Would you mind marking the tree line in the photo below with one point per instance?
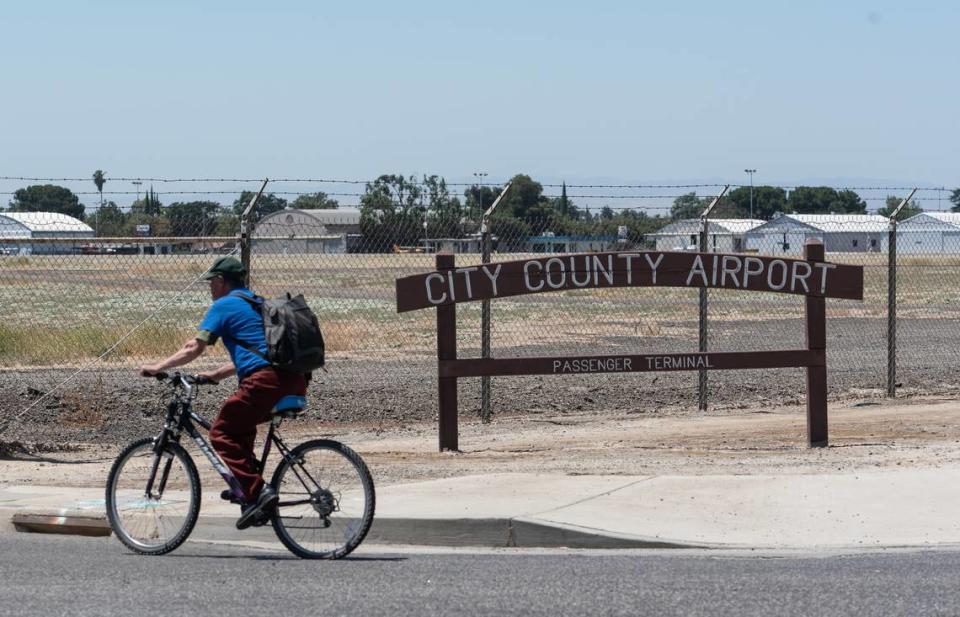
(402, 210)
(771, 201)
(178, 219)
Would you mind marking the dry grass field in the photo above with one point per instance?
(66, 309)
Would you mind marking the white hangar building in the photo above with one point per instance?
(44, 226)
(929, 233)
(306, 231)
(723, 235)
(840, 233)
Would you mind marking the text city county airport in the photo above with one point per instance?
(638, 269)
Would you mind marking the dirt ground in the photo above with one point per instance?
(864, 436)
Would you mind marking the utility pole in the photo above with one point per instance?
(751, 172)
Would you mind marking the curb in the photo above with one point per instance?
(503, 533)
(466, 532)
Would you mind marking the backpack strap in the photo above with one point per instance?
(257, 303)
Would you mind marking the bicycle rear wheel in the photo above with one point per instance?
(326, 502)
(153, 499)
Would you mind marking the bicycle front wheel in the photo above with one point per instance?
(326, 500)
(153, 498)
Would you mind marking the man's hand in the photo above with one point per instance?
(149, 370)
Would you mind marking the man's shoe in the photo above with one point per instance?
(259, 508)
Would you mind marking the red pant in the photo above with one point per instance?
(234, 431)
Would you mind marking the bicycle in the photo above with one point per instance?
(327, 497)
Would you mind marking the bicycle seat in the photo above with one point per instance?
(290, 406)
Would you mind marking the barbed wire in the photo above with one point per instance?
(491, 184)
(340, 194)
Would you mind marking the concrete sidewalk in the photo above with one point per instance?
(909, 508)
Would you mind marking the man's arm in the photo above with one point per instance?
(190, 351)
(220, 373)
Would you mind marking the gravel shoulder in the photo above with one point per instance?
(865, 437)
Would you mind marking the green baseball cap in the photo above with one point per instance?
(229, 267)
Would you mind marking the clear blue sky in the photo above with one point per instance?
(618, 91)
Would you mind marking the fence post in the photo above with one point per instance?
(485, 306)
(485, 326)
(892, 299)
(447, 350)
(246, 229)
(702, 374)
(892, 310)
(816, 317)
(703, 248)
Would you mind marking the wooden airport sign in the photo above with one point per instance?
(629, 269)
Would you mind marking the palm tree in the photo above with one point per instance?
(99, 180)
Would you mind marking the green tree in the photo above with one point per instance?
(851, 203)
(910, 209)
(768, 201)
(527, 202)
(444, 212)
(147, 211)
(267, 204)
(392, 213)
(193, 218)
(111, 220)
(688, 206)
(149, 206)
(228, 223)
(824, 200)
(510, 233)
(315, 201)
(564, 203)
(394, 192)
(47, 198)
(477, 199)
(955, 200)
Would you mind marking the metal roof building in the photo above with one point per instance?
(306, 231)
(845, 233)
(723, 235)
(42, 226)
(929, 233)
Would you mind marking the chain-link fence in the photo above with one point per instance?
(82, 306)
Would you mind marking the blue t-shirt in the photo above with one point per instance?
(236, 321)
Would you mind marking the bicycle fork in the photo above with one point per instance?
(168, 457)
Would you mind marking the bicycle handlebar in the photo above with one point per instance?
(190, 379)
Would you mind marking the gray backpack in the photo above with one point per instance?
(294, 340)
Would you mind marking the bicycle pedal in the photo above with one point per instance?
(261, 520)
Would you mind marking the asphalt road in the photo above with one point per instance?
(64, 575)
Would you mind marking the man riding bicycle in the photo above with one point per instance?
(260, 385)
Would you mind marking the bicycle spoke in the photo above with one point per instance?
(327, 500)
(152, 505)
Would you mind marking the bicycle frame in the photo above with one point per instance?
(181, 418)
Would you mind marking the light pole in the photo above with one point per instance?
(751, 172)
(480, 175)
(137, 184)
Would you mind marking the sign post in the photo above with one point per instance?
(816, 318)
(812, 277)
(447, 352)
